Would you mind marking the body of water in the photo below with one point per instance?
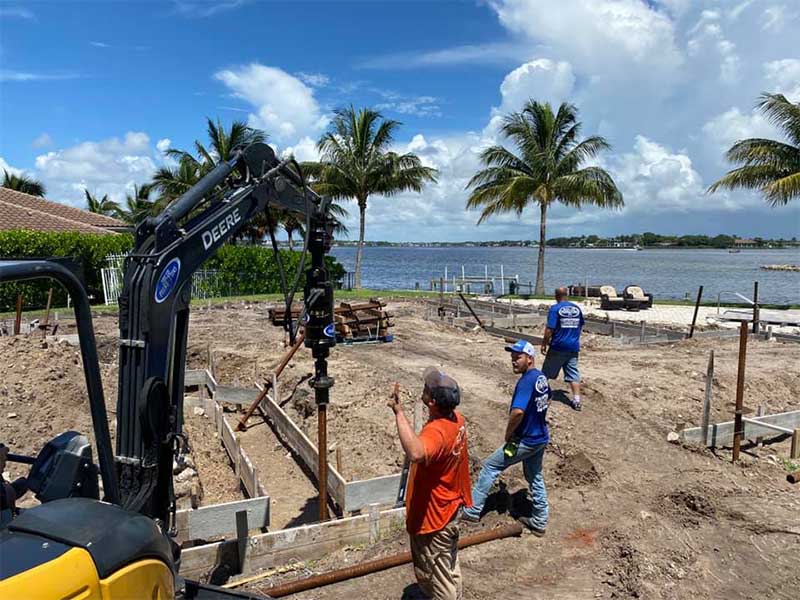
(666, 273)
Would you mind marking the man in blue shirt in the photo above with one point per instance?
(526, 438)
(563, 336)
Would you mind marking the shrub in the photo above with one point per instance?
(238, 269)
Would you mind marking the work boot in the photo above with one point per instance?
(576, 405)
(529, 524)
(468, 518)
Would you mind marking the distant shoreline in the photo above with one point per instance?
(460, 245)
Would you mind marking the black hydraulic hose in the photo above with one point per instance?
(36, 269)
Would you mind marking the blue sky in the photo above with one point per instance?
(92, 93)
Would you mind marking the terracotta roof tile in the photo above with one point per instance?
(57, 209)
(14, 216)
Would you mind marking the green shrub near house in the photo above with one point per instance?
(238, 269)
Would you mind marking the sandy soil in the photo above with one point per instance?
(632, 516)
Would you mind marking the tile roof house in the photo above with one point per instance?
(23, 211)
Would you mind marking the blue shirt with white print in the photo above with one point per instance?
(532, 395)
(566, 321)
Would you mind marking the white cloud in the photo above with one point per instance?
(205, 8)
(16, 12)
(732, 125)
(42, 141)
(654, 179)
(541, 79)
(773, 18)
(420, 106)
(99, 45)
(783, 76)
(4, 166)
(110, 166)
(22, 76)
(163, 145)
(709, 45)
(314, 79)
(284, 106)
(614, 39)
(303, 151)
(472, 54)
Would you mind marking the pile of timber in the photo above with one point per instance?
(363, 321)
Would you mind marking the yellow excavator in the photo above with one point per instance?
(104, 531)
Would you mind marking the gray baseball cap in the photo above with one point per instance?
(443, 388)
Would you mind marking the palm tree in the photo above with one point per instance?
(171, 182)
(547, 169)
(769, 166)
(24, 184)
(138, 205)
(356, 163)
(101, 206)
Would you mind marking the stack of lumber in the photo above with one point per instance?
(354, 321)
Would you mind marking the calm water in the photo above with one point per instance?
(666, 273)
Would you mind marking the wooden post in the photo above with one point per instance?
(339, 460)
(738, 425)
(756, 315)
(441, 296)
(708, 396)
(795, 451)
(613, 329)
(642, 332)
(696, 308)
(18, 318)
(47, 313)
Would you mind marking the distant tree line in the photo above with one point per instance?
(650, 239)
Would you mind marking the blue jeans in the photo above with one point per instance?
(531, 458)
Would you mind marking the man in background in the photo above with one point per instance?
(526, 438)
(439, 484)
(562, 343)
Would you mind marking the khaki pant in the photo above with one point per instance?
(436, 565)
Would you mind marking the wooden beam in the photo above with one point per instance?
(721, 434)
(777, 428)
(378, 490)
(218, 520)
(307, 542)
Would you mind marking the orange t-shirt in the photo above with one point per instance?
(439, 484)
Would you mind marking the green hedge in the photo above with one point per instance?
(239, 269)
(91, 249)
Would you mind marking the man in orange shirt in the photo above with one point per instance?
(439, 485)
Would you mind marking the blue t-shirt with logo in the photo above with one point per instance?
(566, 321)
(532, 395)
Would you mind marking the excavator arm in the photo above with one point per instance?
(154, 309)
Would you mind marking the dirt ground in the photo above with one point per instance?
(632, 516)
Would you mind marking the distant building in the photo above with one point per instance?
(744, 243)
(23, 211)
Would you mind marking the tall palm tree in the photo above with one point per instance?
(101, 206)
(138, 205)
(769, 166)
(22, 183)
(546, 169)
(356, 163)
(172, 182)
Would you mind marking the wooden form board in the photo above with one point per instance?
(721, 434)
(217, 520)
(307, 542)
(242, 465)
(349, 495)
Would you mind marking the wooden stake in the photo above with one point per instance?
(18, 319)
(47, 313)
(756, 312)
(339, 460)
(795, 451)
(696, 308)
(738, 423)
(708, 397)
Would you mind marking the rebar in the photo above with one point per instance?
(381, 564)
